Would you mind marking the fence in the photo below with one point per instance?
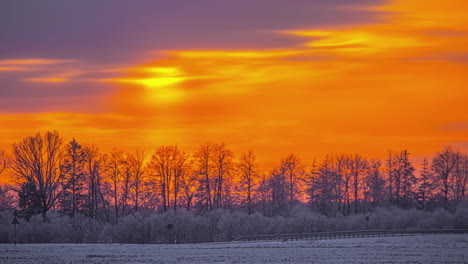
(350, 234)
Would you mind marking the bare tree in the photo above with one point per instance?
(312, 187)
(222, 166)
(263, 195)
(390, 168)
(137, 170)
(132, 180)
(292, 168)
(167, 165)
(114, 170)
(358, 166)
(4, 161)
(460, 179)
(189, 185)
(444, 165)
(179, 169)
(340, 168)
(248, 169)
(37, 161)
(126, 184)
(204, 164)
(95, 165)
(347, 184)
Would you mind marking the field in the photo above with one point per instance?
(417, 249)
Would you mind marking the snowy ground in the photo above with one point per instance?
(417, 249)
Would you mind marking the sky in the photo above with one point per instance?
(275, 76)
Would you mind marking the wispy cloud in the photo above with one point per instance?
(55, 77)
(34, 61)
(13, 68)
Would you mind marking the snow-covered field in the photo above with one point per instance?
(417, 249)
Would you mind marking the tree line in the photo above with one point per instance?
(70, 178)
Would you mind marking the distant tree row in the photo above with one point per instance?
(75, 179)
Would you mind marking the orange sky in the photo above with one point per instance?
(398, 81)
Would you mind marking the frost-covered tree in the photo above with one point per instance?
(401, 179)
(424, 190)
(358, 166)
(96, 203)
(6, 200)
(444, 166)
(460, 180)
(347, 184)
(73, 198)
(263, 195)
(167, 165)
(188, 186)
(4, 162)
(408, 180)
(248, 169)
(279, 192)
(222, 169)
(137, 169)
(338, 180)
(204, 166)
(374, 184)
(36, 166)
(322, 187)
(113, 169)
(292, 170)
(390, 169)
(29, 200)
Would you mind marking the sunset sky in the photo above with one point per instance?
(302, 76)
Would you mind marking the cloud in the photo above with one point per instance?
(55, 77)
(32, 64)
(34, 61)
(247, 54)
(13, 68)
(54, 69)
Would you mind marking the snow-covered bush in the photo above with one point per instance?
(217, 225)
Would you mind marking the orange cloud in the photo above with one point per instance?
(42, 70)
(242, 54)
(59, 77)
(34, 61)
(13, 68)
(46, 80)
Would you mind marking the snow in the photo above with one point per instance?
(417, 249)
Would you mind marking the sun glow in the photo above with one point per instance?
(160, 83)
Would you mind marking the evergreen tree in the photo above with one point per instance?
(425, 185)
(29, 200)
(73, 199)
(408, 181)
(374, 184)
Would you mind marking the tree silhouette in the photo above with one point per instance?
(36, 165)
